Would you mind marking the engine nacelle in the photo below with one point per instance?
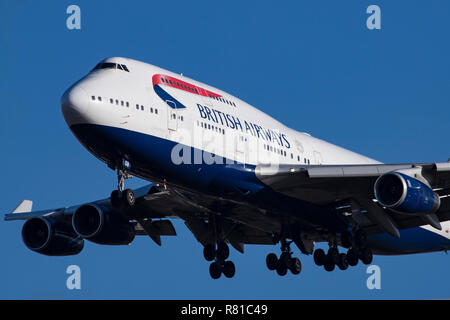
(50, 237)
(405, 194)
(101, 225)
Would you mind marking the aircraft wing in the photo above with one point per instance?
(352, 187)
(155, 205)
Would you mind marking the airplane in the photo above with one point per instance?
(234, 176)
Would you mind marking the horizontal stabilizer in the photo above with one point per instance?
(24, 206)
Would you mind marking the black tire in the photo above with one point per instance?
(333, 255)
(271, 261)
(319, 257)
(346, 239)
(284, 259)
(223, 252)
(215, 270)
(209, 252)
(128, 197)
(229, 269)
(352, 257)
(116, 199)
(329, 265)
(343, 263)
(295, 266)
(365, 255)
(282, 269)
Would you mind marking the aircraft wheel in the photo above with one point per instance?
(209, 252)
(319, 257)
(282, 269)
(223, 252)
(343, 263)
(129, 197)
(271, 261)
(352, 257)
(295, 266)
(215, 270)
(229, 269)
(365, 255)
(329, 265)
(116, 199)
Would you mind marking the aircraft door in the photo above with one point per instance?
(172, 116)
(240, 148)
(318, 157)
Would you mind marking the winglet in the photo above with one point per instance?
(24, 206)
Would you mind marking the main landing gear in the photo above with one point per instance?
(285, 262)
(122, 198)
(358, 250)
(219, 254)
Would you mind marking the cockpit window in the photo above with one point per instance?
(105, 65)
(111, 65)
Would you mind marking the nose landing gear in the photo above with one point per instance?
(122, 198)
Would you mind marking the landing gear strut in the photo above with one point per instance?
(220, 265)
(120, 197)
(217, 251)
(285, 262)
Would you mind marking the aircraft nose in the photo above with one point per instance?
(74, 104)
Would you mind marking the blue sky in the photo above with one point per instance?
(312, 65)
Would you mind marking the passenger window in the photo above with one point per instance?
(142, 108)
(128, 104)
(111, 100)
(93, 97)
(99, 98)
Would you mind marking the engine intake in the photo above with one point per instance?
(50, 237)
(102, 225)
(405, 194)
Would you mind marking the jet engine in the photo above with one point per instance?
(50, 237)
(102, 225)
(402, 193)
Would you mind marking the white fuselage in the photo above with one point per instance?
(206, 123)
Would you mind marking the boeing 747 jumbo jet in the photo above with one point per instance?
(235, 176)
